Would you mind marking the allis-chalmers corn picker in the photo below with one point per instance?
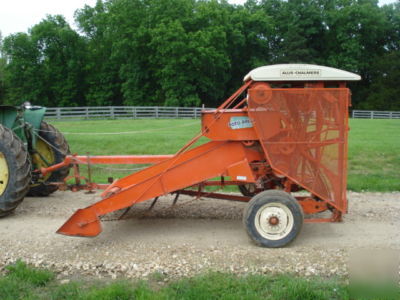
(285, 130)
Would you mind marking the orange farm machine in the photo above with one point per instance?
(281, 138)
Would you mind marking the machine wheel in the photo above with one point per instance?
(15, 171)
(248, 189)
(273, 218)
(51, 149)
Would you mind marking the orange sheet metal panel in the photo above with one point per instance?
(304, 135)
(231, 125)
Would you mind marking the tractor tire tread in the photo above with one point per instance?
(19, 171)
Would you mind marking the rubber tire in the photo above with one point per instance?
(57, 140)
(260, 200)
(245, 191)
(19, 168)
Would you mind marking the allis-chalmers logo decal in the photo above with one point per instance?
(300, 73)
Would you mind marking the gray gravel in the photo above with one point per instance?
(195, 237)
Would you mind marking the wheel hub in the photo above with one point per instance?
(274, 221)
(4, 173)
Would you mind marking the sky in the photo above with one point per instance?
(20, 15)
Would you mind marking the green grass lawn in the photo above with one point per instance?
(374, 155)
(146, 136)
(24, 282)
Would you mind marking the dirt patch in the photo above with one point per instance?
(196, 236)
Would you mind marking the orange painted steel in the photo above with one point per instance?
(215, 195)
(292, 138)
(219, 130)
(120, 159)
(304, 135)
(189, 168)
(312, 206)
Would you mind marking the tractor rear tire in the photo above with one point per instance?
(15, 171)
(273, 218)
(54, 143)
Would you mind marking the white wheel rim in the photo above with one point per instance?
(274, 221)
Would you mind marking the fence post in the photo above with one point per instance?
(195, 112)
(112, 112)
(58, 113)
(176, 112)
(391, 115)
(156, 112)
(372, 114)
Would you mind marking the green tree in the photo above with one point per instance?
(192, 52)
(102, 80)
(392, 16)
(384, 91)
(2, 72)
(62, 53)
(356, 40)
(250, 39)
(22, 72)
(45, 66)
(299, 30)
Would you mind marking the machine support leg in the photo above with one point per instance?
(89, 168)
(124, 213)
(153, 203)
(199, 191)
(176, 198)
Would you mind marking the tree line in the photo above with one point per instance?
(193, 52)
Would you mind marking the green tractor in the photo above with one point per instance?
(27, 143)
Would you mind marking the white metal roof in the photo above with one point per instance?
(300, 72)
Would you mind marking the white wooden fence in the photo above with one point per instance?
(122, 112)
(164, 112)
(373, 114)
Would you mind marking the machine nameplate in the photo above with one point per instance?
(240, 122)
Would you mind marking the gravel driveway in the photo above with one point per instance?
(194, 237)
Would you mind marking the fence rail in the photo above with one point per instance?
(122, 112)
(374, 114)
